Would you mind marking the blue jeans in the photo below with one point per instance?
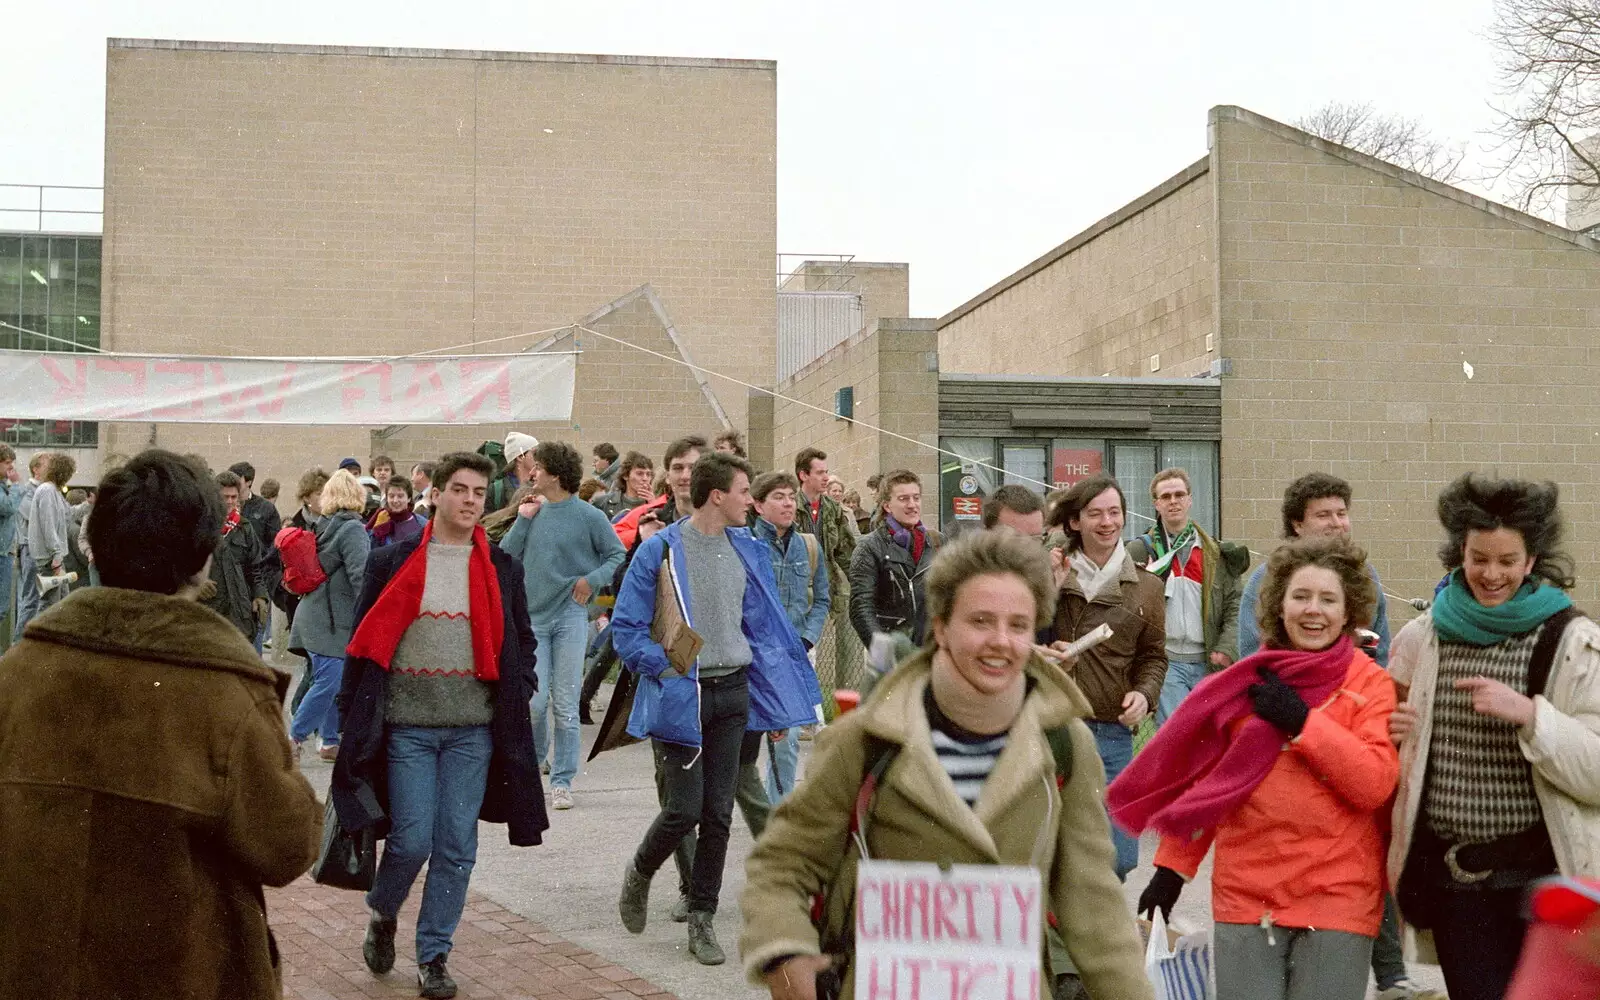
(8, 575)
(436, 783)
(1115, 743)
(1182, 677)
(783, 759)
(559, 663)
(27, 590)
(318, 711)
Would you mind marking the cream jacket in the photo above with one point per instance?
(1021, 819)
(1562, 744)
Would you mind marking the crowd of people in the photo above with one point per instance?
(457, 623)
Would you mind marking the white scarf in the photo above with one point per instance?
(1093, 580)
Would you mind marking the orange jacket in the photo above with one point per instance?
(1307, 848)
(627, 526)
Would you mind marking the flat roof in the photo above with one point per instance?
(274, 48)
(1199, 382)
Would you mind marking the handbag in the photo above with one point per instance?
(348, 858)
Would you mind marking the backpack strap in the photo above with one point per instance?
(1543, 659)
(880, 754)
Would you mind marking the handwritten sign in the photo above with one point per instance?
(971, 932)
(473, 389)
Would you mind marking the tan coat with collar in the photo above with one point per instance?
(147, 793)
(1021, 819)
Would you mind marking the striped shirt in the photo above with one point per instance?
(966, 757)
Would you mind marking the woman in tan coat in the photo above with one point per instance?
(980, 731)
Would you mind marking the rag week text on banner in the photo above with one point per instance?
(967, 932)
(469, 389)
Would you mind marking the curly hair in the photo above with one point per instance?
(1309, 487)
(561, 460)
(979, 553)
(1478, 503)
(1337, 553)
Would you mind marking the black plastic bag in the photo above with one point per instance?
(349, 858)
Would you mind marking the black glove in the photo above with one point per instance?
(1161, 894)
(1279, 703)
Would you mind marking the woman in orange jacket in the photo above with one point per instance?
(1281, 762)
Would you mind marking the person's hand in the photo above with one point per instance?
(1497, 701)
(649, 525)
(263, 609)
(1061, 658)
(1222, 660)
(796, 978)
(14, 475)
(1402, 722)
(581, 591)
(1161, 894)
(1058, 567)
(208, 590)
(1279, 703)
(530, 506)
(777, 735)
(1135, 706)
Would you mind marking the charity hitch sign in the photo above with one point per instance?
(966, 932)
(139, 388)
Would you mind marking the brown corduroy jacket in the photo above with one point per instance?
(1135, 657)
(147, 793)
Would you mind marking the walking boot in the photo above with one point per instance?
(680, 909)
(703, 940)
(635, 901)
(433, 980)
(378, 948)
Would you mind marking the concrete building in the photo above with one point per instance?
(1301, 306)
(316, 200)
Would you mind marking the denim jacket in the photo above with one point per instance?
(804, 596)
(783, 687)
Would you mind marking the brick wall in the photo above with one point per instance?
(894, 390)
(1137, 283)
(1352, 292)
(298, 200)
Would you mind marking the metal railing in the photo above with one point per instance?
(819, 272)
(29, 207)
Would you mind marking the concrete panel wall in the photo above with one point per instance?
(894, 390)
(1137, 283)
(1352, 294)
(294, 200)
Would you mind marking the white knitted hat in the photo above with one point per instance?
(519, 444)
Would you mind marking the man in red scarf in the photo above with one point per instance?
(436, 688)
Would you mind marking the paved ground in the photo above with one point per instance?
(568, 886)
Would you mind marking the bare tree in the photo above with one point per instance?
(1549, 61)
(1405, 142)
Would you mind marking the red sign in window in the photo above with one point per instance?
(1071, 466)
(967, 508)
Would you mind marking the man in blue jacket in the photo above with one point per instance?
(11, 496)
(751, 674)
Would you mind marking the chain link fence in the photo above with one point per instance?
(841, 659)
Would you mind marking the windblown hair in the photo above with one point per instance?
(61, 469)
(1532, 510)
(979, 553)
(1309, 487)
(342, 492)
(1071, 504)
(561, 460)
(1336, 553)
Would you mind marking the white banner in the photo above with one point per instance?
(137, 388)
(972, 932)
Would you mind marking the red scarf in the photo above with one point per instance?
(1198, 769)
(401, 603)
(230, 522)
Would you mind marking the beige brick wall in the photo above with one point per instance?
(894, 391)
(1351, 294)
(1137, 283)
(292, 200)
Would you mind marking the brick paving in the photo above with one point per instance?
(496, 953)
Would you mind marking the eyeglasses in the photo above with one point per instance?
(1170, 497)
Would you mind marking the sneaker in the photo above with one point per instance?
(329, 753)
(433, 980)
(680, 909)
(1405, 989)
(378, 948)
(561, 798)
(635, 899)
(703, 940)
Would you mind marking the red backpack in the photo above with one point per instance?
(302, 570)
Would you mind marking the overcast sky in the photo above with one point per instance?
(964, 138)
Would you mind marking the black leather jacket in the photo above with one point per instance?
(887, 592)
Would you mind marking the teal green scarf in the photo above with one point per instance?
(1458, 617)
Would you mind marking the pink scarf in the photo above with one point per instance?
(1193, 775)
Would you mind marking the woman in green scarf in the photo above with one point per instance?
(1499, 733)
